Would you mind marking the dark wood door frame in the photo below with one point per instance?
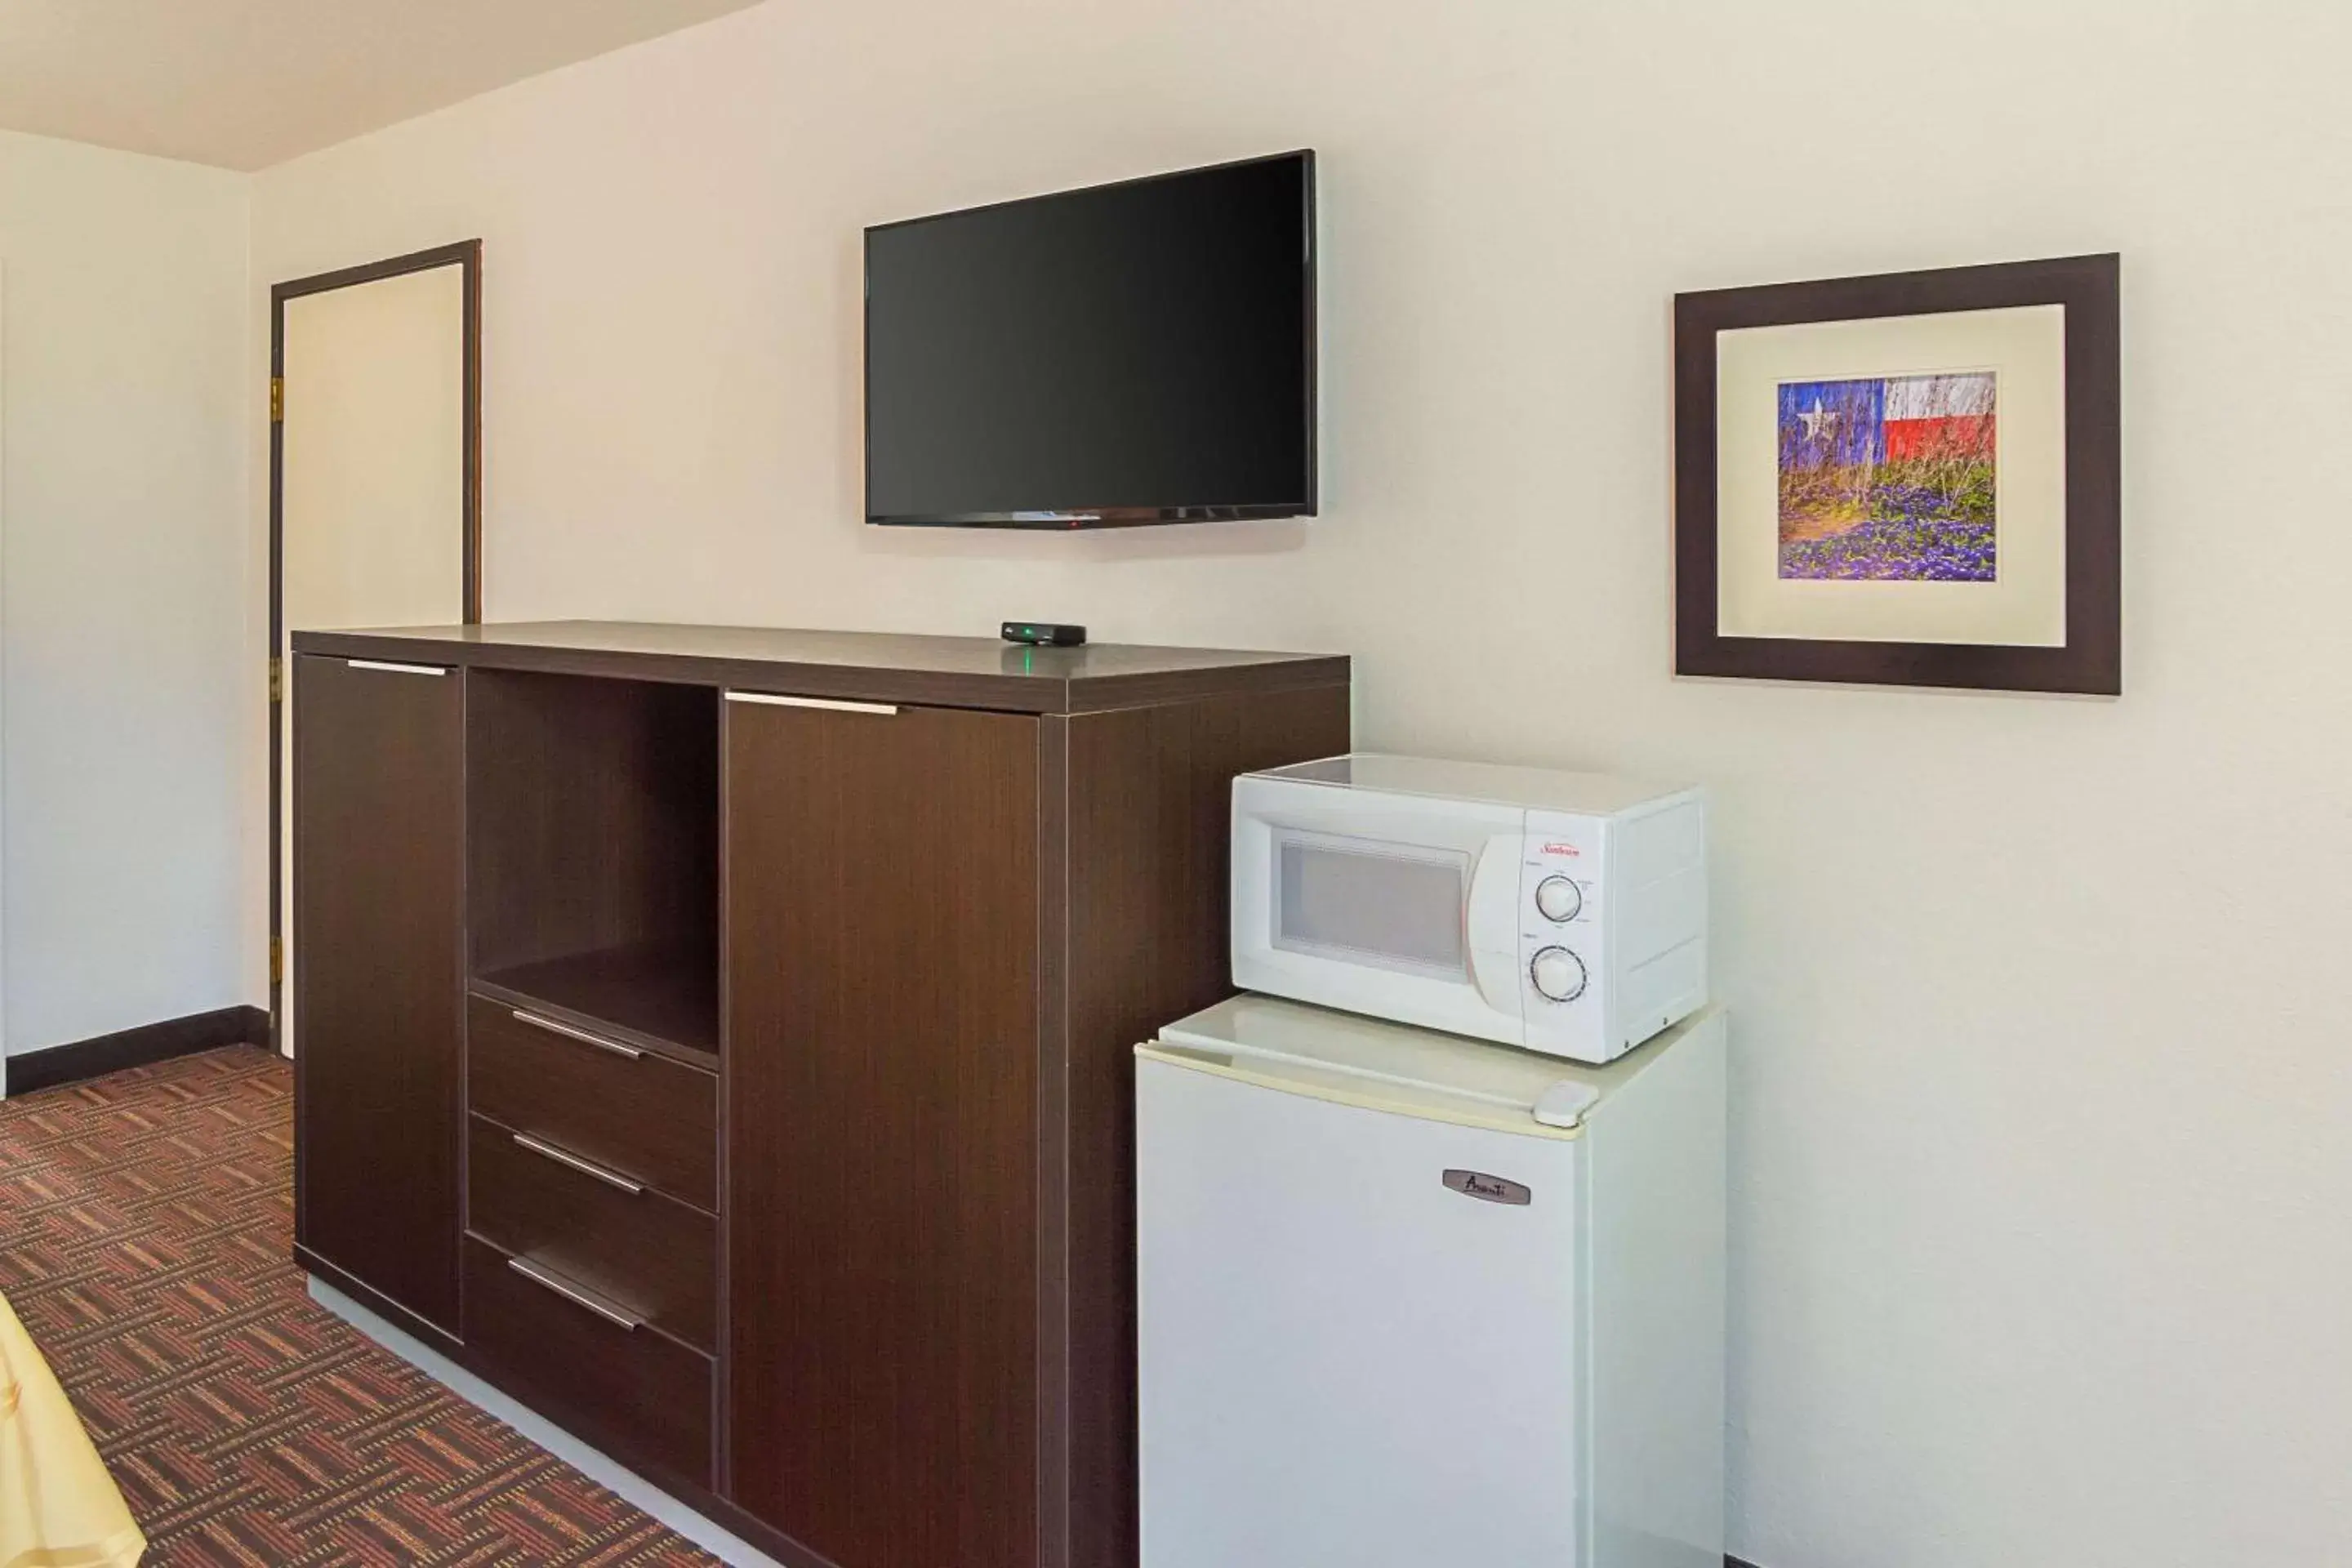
(467, 256)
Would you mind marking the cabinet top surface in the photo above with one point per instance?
(974, 671)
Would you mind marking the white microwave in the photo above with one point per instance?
(1559, 912)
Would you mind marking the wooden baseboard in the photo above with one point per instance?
(137, 1047)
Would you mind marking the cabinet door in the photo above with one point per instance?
(378, 837)
(881, 1081)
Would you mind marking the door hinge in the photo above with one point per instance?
(278, 680)
(277, 961)
(276, 400)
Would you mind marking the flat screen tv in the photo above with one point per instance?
(1131, 354)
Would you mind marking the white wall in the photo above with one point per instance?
(122, 589)
(2041, 1150)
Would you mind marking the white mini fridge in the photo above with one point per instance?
(1408, 1300)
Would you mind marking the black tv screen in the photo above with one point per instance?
(1136, 352)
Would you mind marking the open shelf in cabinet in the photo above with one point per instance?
(592, 845)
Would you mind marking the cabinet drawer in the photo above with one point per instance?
(646, 1397)
(649, 1254)
(642, 1115)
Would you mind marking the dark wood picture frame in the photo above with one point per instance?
(467, 256)
(2091, 660)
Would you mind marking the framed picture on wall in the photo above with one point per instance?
(1912, 478)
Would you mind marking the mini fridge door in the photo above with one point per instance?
(1358, 1327)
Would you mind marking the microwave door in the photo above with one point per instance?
(1378, 905)
(1356, 901)
(1491, 926)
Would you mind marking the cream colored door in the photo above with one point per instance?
(372, 481)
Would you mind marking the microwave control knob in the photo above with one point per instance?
(1557, 973)
(1557, 899)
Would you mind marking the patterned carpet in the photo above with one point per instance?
(144, 1225)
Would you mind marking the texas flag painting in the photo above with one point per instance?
(1888, 478)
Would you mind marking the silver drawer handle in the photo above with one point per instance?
(587, 1168)
(582, 1036)
(771, 699)
(391, 669)
(575, 1295)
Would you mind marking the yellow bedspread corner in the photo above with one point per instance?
(59, 1507)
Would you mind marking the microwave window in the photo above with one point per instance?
(1374, 903)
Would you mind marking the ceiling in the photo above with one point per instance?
(248, 83)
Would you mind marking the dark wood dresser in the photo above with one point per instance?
(720, 1039)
